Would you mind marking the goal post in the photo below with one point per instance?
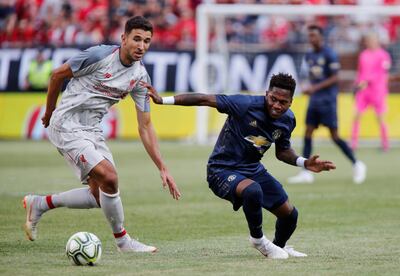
(210, 20)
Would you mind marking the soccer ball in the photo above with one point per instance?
(83, 248)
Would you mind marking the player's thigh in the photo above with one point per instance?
(103, 172)
(273, 193)
(362, 102)
(78, 150)
(223, 183)
(380, 106)
(83, 160)
(102, 147)
(312, 117)
(328, 116)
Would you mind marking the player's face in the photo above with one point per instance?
(278, 101)
(135, 44)
(315, 38)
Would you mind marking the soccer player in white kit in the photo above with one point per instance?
(100, 77)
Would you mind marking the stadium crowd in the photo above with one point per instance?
(30, 23)
(27, 23)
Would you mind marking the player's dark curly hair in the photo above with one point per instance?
(138, 22)
(315, 28)
(283, 81)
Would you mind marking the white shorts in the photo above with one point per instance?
(82, 150)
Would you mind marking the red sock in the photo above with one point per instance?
(120, 235)
(50, 202)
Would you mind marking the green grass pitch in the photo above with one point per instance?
(346, 229)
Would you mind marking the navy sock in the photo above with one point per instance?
(284, 228)
(252, 207)
(307, 147)
(345, 149)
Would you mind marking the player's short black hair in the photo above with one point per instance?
(138, 22)
(283, 81)
(316, 28)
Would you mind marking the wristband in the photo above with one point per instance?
(168, 100)
(300, 161)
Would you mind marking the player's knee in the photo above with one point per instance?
(110, 183)
(334, 135)
(337, 140)
(253, 193)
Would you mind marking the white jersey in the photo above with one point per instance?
(99, 81)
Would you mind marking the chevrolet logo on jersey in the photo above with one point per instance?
(260, 142)
(316, 71)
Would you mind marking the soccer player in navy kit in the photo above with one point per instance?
(234, 171)
(323, 66)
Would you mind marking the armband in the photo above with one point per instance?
(168, 100)
(300, 161)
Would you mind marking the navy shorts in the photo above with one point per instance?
(224, 182)
(322, 114)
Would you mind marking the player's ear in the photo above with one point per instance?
(123, 37)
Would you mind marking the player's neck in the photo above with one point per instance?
(125, 59)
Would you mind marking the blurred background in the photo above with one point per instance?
(37, 36)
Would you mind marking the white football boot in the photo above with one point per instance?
(293, 253)
(33, 214)
(127, 244)
(268, 249)
(359, 172)
(303, 177)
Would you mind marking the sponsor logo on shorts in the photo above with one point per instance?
(82, 158)
(231, 177)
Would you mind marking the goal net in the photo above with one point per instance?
(240, 46)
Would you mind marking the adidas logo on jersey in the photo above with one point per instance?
(253, 123)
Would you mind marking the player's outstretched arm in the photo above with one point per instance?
(193, 99)
(313, 164)
(56, 81)
(149, 140)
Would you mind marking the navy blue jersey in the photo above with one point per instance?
(248, 133)
(321, 66)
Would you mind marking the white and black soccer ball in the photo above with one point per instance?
(83, 248)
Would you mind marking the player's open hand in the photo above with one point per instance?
(151, 91)
(315, 165)
(168, 180)
(46, 119)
